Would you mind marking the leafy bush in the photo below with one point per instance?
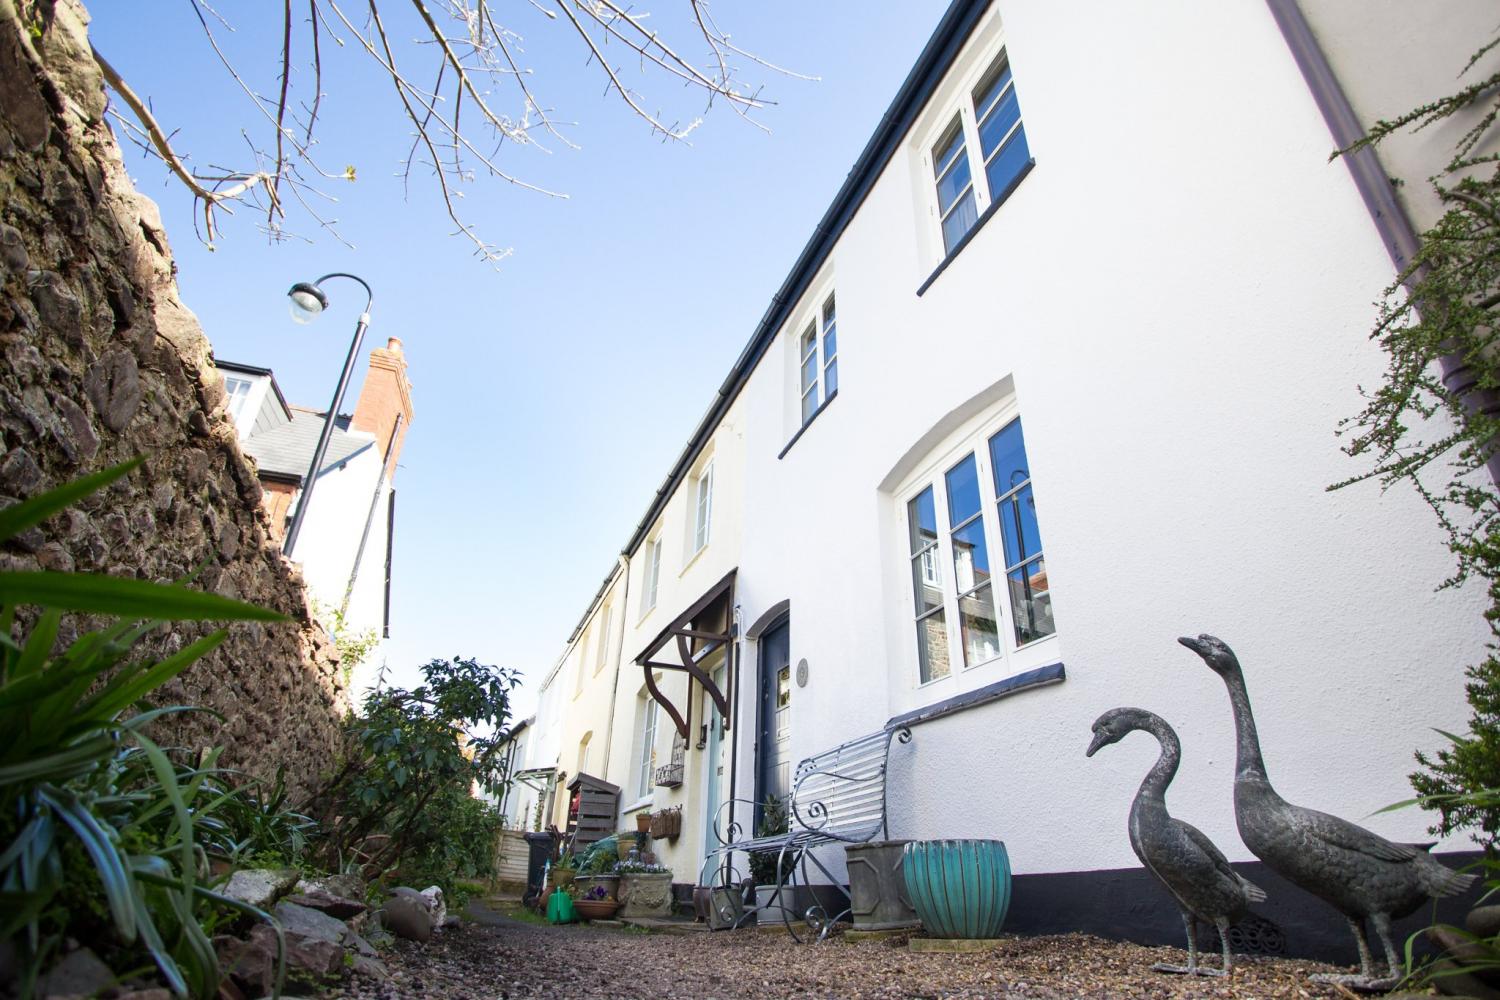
(773, 820)
(1442, 307)
(90, 807)
(401, 796)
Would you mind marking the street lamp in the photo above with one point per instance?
(307, 301)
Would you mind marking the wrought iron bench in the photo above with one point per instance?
(838, 797)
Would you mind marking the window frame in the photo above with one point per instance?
(973, 440)
(602, 653)
(703, 508)
(955, 102)
(646, 750)
(812, 369)
(236, 397)
(651, 575)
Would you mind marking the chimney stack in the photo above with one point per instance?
(385, 396)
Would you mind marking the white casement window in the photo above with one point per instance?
(703, 507)
(583, 752)
(818, 359)
(602, 653)
(238, 391)
(582, 655)
(653, 575)
(980, 154)
(982, 495)
(646, 762)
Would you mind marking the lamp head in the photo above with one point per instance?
(307, 301)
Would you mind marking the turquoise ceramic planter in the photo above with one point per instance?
(959, 888)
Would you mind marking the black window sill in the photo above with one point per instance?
(1040, 677)
(815, 414)
(978, 225)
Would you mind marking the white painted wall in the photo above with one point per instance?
(1180, 295)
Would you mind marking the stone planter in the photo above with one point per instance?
(877, 887)
(960, 888)
(646, 895)
(583, 883)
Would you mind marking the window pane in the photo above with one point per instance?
(1008, 163)
(831, 377)
(809, 372)
(976, 619)
(927, 581)
(948, 150)
(952, 184)
(971, 561)
(932, 646)
(961, 221)
(921, 519)
(809, 404)
(1005, 113)
(809, 342)
(830, 343)
(828, 312)
(1030, 602)
(963, 491)
(988, 92)
(1018, 526)
(1008, 458)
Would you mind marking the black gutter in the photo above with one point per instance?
(1375, 188)
(952, 31)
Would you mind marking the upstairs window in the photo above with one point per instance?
(602, 654)
(703, 503)
(980, 155)
(986, 494)
(238, 391)
(653, 575)
(818, 353)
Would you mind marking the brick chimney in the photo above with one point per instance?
(385, 396)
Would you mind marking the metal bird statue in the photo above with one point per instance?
(1194, 871)
(1358, 873)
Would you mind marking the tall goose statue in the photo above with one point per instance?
(1360, 874)
(1194, 871)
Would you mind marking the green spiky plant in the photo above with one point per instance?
(90, 806)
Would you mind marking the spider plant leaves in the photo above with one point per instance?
(18, 517)
(125, 597)
(129, 687)
(104, 854)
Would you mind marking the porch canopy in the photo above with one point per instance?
(684, 644)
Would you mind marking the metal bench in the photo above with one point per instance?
(838, 796)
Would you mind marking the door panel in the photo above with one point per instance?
(773, 771)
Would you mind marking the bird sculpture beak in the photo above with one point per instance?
(1192, 644)
(1100, 739)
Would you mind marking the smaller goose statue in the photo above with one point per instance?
(1194, 871)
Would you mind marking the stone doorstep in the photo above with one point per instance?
(855, 934)
(953, 945)
(661, 924)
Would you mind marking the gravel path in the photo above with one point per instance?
(510, 959)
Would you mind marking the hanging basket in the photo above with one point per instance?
(667, 823)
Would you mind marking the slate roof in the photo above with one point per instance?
(288, 449)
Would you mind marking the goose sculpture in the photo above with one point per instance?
(1360, 874)
(1194, 871)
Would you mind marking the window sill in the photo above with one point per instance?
(815, 414)
(1040, 677)
(978, 225)
(638, 804)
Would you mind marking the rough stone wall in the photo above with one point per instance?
(103, 362)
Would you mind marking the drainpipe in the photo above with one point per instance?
(614, 693)
(364, 539)
(1374, 186)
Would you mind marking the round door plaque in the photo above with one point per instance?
(802, 673)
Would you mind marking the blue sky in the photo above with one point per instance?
(552, 393)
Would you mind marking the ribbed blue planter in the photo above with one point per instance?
(960, 888)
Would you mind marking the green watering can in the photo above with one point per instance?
(560, 908)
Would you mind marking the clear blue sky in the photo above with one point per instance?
(553, 393)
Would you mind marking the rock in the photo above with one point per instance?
(114, 387)
(260, 887)
(155, 994)
(370, 968)
(408, 917)
(306, 923)
(325, 902)
(361, 946)
(1483, 921)
(348, 886)
(81, 973)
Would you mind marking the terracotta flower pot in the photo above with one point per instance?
(643, 822)
(595, 909)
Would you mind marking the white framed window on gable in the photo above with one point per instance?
(646, 748)
(703, 507)
(818, 359)
(651, 575)
(969, 607)
(602, 654)
(979, 153)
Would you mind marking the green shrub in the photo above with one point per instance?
(99, 828)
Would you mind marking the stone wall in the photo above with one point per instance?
(102, 362)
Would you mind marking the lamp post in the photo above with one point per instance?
(308, 300)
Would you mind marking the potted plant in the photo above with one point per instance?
(595, 871)
(595, 903)
(960, 888)
(645, 889)
(643, 821)
(563, 871)
(773, 821)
